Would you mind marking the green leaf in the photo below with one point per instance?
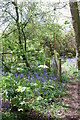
(39, 98)
(19, 88)
(23, 89)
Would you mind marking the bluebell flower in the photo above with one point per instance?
(0, 103)
(38, 89)
(62, 57)
(7, 105)
(54, 78)
(16, 75)
(3, 104)
(40, 117)
(48, 117)
(33, 77)
(45, 114)
(28, 76)
(51, 63)
(67, 57)
(73, 64)
(34, 73)
(54, 85)
(37, 77)
(43, 71)
(26, 81)
(2, 69)
(40, 78)
(19, 75)
(57, 78)
(50, 77)
(43, 108)
(25, 75)
(44, 79)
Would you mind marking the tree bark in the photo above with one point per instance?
(76, 25)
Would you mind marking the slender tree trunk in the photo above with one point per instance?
(76, 25)
(17, 20)
(24, 38)
(19, 33)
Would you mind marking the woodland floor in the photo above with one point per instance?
(72, 99)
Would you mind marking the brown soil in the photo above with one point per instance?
(72, 99)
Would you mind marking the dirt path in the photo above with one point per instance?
(72, 99)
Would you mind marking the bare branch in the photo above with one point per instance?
(6, 28)
(10, 15)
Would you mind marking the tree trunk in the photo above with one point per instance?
(19, 33)
(76, 25)
(24, 38)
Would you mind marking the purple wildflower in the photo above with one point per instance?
(54, 78)
(62, 57)
(25, 75)
(7, 105)
(16, 75)
(38, 93)
(0, 103)
(2, 69)
(45, 114)
(20, 75)
(44, 79)
(54, 85)
(51, 63)
(48, 117)
(37, 77)
(40, 117)
(28, 76)
(13, 74)
(73, 64)
(33, 77)
(3, 105)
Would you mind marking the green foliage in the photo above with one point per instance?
(70, 55)
(66, 45)
(65, 77)
(8, 116)
(70, 68)
(25, 95)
